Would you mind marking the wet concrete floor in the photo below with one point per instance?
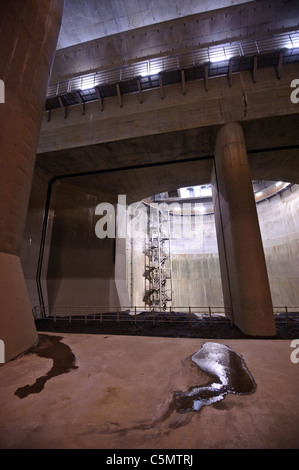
(63, 362)
(229, 373)
(110, 392)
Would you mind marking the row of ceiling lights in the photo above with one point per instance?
(149, 67)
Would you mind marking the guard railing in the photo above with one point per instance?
(137, 314)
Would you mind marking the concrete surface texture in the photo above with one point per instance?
(119, 388)
(100, 18)
(153, 137)
(170, 28)
(68, 279)
(25, 65)
(279, 223)
(241, 255)
(195, 262)
(170, 118)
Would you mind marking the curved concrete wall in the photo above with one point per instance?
(279, 224)
(78, 267)
(196, 277)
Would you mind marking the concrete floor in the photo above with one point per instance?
(122, 386)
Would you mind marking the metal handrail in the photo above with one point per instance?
(153, 66)
(139, 314)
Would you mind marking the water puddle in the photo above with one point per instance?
(229, 374)
(228, 371)
(63, 362)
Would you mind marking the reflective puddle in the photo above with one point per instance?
(229, 374)
(228, 371)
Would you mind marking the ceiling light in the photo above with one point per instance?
(292, 40)
(292, 43)
(219, 54)
(155, 69)
(87, 83)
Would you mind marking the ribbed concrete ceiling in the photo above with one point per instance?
(92, 19)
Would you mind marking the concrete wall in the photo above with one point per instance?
(195, 265)
(78, 267)
(32, 236)
(136, 270)
(176, 36)
(196, 279)
(279, 224)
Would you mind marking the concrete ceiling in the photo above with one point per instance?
(86, 20)
(92, 19)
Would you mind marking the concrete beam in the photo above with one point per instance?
(258, 19)
(242, 102)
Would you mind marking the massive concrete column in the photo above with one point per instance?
(28, 36)
(242, 261)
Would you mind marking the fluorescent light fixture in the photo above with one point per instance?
(155, 66)
(149, 68)
(87, 83)
(293, 41)
(219, 57)
(143, 71)
(155, 69)
(218, 54)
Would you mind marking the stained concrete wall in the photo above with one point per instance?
(79, 269)
(279, 224)
(83, 269)
(30, 247)
(136, 270)
(196, 279)
(195, 265)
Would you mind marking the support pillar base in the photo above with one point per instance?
(17, 327)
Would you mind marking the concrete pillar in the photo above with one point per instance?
(28, 36)
(243, 268)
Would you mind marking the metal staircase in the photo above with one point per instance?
(158, 265)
